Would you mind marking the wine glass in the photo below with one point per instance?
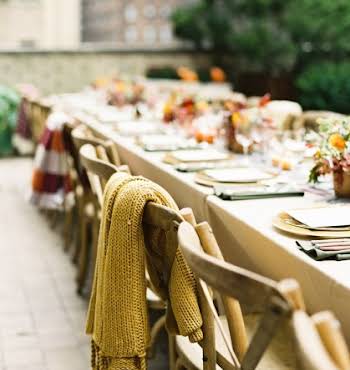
(244, 138)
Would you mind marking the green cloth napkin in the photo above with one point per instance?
(257, 192)
(320, 255)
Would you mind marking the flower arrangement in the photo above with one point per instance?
(184, 108)
(333, 148)
(123, 92)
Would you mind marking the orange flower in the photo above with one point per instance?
(217, 74)
(187, 74)
(337, 141)
(120, 86)
(101, 82)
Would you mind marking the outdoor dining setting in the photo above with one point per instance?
(166, 220)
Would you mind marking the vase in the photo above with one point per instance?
(341, 182)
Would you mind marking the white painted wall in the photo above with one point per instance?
(51, 24)
(61, 24)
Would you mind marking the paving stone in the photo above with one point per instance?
(42, 320)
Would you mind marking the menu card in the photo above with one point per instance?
(332, 216)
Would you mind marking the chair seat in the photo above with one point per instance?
(279, 355)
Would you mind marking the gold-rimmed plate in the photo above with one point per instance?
(285, 223)
(235, 176)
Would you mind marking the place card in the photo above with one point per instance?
(332, 216)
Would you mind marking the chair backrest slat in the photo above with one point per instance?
(161, 216)
(102, 155)
(329, 330)
(236, 282)
(310, 348)
(112, 152)
(90, 161)
(256, 288)
(232, 307)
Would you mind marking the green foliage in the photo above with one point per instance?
(262, 46)
(320, 27)
(189, 23)
(268, 35)
(251, 31)
(9, 101)
(326, 86)
(203, 74)
(168, 73)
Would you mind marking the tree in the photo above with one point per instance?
(271, 36)
(249, 31)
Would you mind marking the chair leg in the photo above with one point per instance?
(80, 213)
(94, 236)
(95, 233)
(155, 331)
(53, 218)
(179, 365)
(83, 254)
(172, 351)
(68, 228)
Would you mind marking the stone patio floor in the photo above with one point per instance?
(41, 318)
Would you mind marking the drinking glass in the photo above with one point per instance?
(244, 138)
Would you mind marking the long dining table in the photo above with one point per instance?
(244, 229)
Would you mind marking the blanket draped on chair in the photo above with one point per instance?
(51, 183)
(117, 317)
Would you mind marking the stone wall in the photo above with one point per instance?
(67, 71)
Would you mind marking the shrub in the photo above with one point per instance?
(9, 101)
(325, 86)
(319, 28)
(168, 73)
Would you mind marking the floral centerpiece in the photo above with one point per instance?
(241, 116)
(333, 153)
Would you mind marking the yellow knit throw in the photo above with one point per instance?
(118, 317)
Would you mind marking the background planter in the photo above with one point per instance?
(341, 181)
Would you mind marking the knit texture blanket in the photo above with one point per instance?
(117, 316)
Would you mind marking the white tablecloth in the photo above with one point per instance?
(247, 238)
(245, 233)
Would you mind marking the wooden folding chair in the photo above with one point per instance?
(88, 196)
(154, 215)
(225, 344)
(38, 114)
